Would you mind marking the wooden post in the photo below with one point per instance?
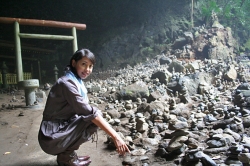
(19, 63)
(192, 13)
(4, 72)
(56, 73)
(39, 71)
(75, 47)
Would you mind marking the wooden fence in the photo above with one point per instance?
(12, 78)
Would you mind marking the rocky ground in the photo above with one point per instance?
(186, 113)
(169, 112)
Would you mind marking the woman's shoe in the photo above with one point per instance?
(71, 159)
(83, 158)
(74, 163)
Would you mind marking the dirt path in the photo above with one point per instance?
(19, 145)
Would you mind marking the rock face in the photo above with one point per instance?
(215, 43)
(165, 33)
(199, 115)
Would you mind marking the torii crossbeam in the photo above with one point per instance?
(34, 22)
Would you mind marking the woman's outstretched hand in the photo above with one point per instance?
(119, 143)
(121, 146)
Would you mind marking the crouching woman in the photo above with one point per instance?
(68, 119)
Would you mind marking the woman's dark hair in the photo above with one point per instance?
(78, 55)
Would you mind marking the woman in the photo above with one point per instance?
(68, 119)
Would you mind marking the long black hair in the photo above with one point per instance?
(78, 55)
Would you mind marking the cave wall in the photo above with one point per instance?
(118, 32)
(160, 24)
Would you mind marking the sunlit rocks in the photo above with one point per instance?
(198, 156)
(141, 125)
(133, 91)
(244, 158)
(181, 111)
(165, 60)
(233, 153)
(162, 76)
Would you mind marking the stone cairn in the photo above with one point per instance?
(176, 118)
(172, 111)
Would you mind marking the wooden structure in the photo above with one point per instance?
(26, 49)
(34, 22)
(12, 78)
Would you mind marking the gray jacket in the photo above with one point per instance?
(66, 118)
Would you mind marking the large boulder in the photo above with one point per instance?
(230, 74)
(180, 42)
(220, 51)
(165, 60)
(176, 66)
(162, 76)
(192, 82)
(193, 66)
(132, 92)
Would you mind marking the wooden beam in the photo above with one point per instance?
(47, 23)
(13, 57)
(42, 36)
(27, 48)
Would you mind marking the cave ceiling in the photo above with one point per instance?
(98, 15)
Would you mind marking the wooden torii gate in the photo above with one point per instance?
(34, 22)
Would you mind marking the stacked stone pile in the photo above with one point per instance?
(190, 117)
(174, 110)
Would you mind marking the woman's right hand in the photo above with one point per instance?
(119, 143)
(121, 146)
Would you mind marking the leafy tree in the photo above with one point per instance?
(232, 13)
(207, 9)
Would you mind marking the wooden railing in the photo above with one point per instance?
(12, 78)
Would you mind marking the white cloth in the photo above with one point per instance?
(81, 87)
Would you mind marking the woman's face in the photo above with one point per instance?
(83, 67)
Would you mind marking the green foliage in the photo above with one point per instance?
(247, 44)
(236, 15)
(209, 7)
(148, 41)
(146, 51)
(186, 24)
(226, 9)
(227, 12)
(231, 13)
